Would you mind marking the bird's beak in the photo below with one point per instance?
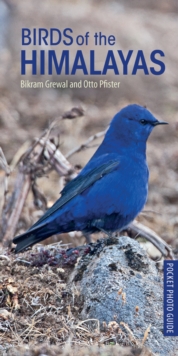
(160, 123)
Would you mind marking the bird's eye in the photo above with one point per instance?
(143, 122)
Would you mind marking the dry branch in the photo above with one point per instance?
(11, 215)
(56, 158)
(85, 144)
(12, 209)
(141, 230)
(7, 170)
(31, 165)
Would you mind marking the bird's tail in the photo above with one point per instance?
(32, 236)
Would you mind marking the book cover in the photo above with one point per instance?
(66, 69)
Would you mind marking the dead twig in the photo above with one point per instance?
(146, 333)
(10, 216)
(57, 159)
(31, 163)
(7, 170)
(86, 143)
(73, 113)
(144, 231)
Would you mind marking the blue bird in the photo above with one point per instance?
(111, 189)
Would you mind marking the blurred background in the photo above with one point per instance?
(25, 113)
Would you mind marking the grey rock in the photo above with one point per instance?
(116, 281)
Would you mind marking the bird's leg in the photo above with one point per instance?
(87, 237)
(108, 233)
(97, 225)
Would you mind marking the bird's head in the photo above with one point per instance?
(133, 123)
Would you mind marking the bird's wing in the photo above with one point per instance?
(77, 186)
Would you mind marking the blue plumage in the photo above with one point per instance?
(111, 189)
